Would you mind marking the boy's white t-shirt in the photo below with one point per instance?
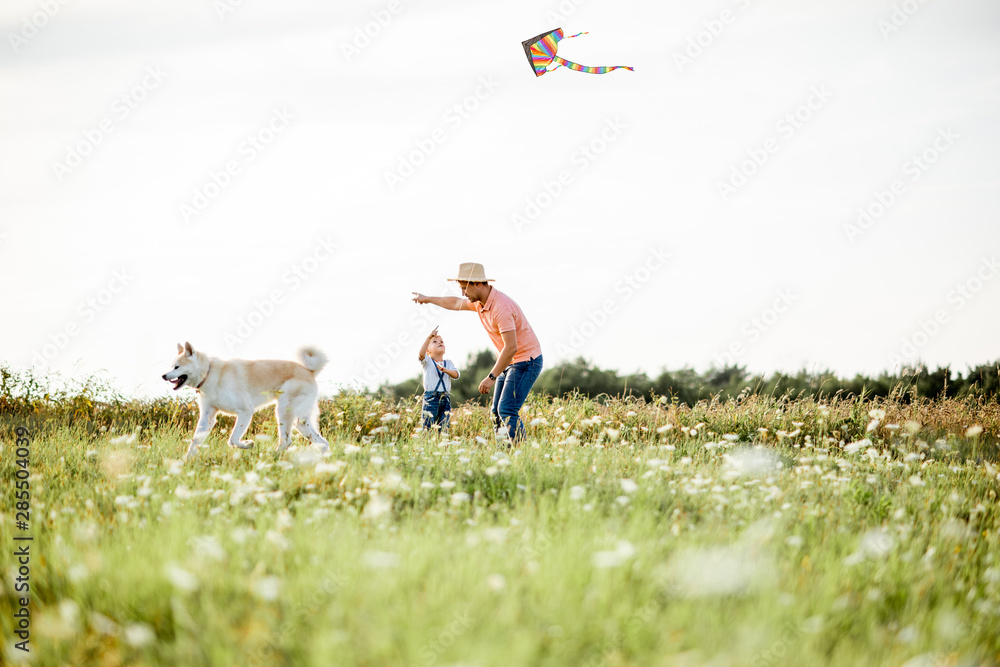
(431, 374)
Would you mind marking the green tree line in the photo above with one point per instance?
(689, 386)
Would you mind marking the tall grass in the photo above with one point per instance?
(763, 530)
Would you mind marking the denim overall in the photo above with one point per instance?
(437, 403)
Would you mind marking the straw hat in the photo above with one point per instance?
(472, 273)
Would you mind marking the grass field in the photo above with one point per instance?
(760, 531)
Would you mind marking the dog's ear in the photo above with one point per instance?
(180, 348)
(188, 349)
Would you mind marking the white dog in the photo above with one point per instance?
(238, 387)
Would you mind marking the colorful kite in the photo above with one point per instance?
(541, 52)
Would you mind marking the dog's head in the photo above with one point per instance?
(189, 365)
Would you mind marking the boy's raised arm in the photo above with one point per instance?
(427, 341)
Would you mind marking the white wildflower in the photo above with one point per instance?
(267, 588)
(496, 582)
(125, 439)
(628, 486)
(855, 447)
(323, 468)
(622, 553)
(138, 635)
(376, 507)
(181, 578)
(380, 560)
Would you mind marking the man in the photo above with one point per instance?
(520, 356)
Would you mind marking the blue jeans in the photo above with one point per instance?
(437, 409)
(510, 392)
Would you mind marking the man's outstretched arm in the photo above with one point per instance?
(447, 302)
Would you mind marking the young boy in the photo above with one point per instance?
(438, 374)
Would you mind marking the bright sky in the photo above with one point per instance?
(254, 176)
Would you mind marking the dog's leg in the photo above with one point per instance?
(206, 420)
(242, 424)
(285, 416)
(307, 429)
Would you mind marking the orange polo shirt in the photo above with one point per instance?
(500, 314)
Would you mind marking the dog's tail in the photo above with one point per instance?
(312, 359)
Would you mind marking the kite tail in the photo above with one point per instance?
(584, 68)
